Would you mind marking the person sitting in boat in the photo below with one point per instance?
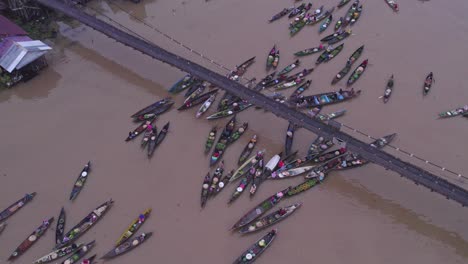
(280, 164)
(289, 133)
(235, 107)
(149, 127)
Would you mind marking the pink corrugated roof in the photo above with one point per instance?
(8, 28)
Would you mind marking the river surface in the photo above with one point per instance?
(78, 110)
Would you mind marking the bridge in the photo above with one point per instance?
(406, 169)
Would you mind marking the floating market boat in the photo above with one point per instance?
(84, 225)
(338, 24)
(388, 90)
(350, 161)
(197, 88)
(322, 170)
(127, 246)
(428, 83)
(271, 57)
(318, 146)
(356, 15)
(211, 139)
(290, 84)
(205, 189)
(291, 172)
(455, 112)
(329, 54)
(298, 24)
(275, 81)
(289, 139)
(310, 51)
(2, 226)
(275, 62)
(60, 229)
(80, 253)
(146, 137)
(319, 16)
(89, 260)
(303, 187)
(356, 54)
(59, 253)
(329, 156)
(79, 183)
(154, 106)
(12, 209)
(217, 175)
(301, 74)
(133, 227)
(281, 14)
(238, 133)
(223, 182)
(244, 168)
(241, 69)
(244, 182)
(330, 116)
(337, 37)
(197, 100)
(261, 85)
(223, 141)
(289, 68)
(140, 129)
(31, 240)
(314, 111)
(236, 108)
(156, 140)
(342, 3)
(182, 84)
(300, 90)
(260, 209)
(264, 172)
(247, 150)
(253, 252)
(299, 9)
(357, 73)
(325, 23)
(154, 113)
(393, 5)
(205, 106)
(326, 98)
(383, 141)
(270, 219)
(350, 13)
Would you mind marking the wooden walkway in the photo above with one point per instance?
(408, 170)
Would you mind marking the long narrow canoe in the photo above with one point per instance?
(238, 133)
(205, 189)
(80, 181)
(289, 68)
(317, 17)
(302, 187)
(341, 74)
(428, 83)
(84, 225)
(133, 227)
(241, 69)
(326, 98)
(247, 150)
(81, 252)
(299, 90)
(12, 209)
(2, 226)
(270, 219)
(322, 170)
(211, 139)
(31, 240)
(325, 23)
(289, 139)
(60, 229)
(199, 99)
(392, 4)
(217, 175)
(328, 117)
(197, 88)
(152, 107)
(281, 14)
(127, 246)
(388, 90)
(329, 54)
(337, 37)
(350, 13)
(319, 145)
(153, 114)
(146, 137)
(263, 172)
(292, 172)
(254, 251)
(455, 112)
(142, 127)
(261, 84)
(383, 141)
(205, 106)
(260, 209)
(298, 10)
(222, 142)
(150, 137)
(342, 3)
(182, 84)
(59, 253)
(310, 51)
(354, 56)
(290, 84)
(357, 73)
(244, 168)
(161, 136)
(223, 182)
(338, 24)
(231, 111)
(350, 161)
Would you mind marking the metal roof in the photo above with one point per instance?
(8, 28)
(21, 53)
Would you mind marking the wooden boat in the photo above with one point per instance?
(322, 170)
(351, 160)
(244, 168)
(205, 106)
(329, 54)
(275, 62)
(300, 90)
(254, 251)
(325, 23)
(342, 3)
(327, 117)
(197, 88)
(149, 138)
(383, 141)
(290, 67)
(59, 253)
(388, 90)
(156, 140)
(338, 24)
(319, 16)
(205, 189)
(133, 227)
(263, 172)
(314, 111)
(270, 219)
(428, 83)
(182, 84)
(238, 133)
(2, 226)
(298, 75)
(299, 9)
(154, 106)
(275, 81)
(89, 260)
(127, 246)
(306, 185)
(241, 69)
(79, 183)
(236, 108)
(289, 139)
(357, 73)
(223, 182)
(356, 15)
(350, 13)
(217, 175)
(247, 150)
(290, 84)
(211, 139)
(60, 229)
(326, 98)
(142, 127)
(12, 209)
(260, 209)
(197, 100)
(286, 174)
(329, 156)
(154, 113)
(393, 5)
(244, 182)
(223, 141)
(261, 85)
(298, 24)
(271, 57)
(310, 51)
(354, 56)
(281, 14)
(319, 145)
(31, 239)
(455, 112)
(337, 37)
(80, 253)
(84, 225)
